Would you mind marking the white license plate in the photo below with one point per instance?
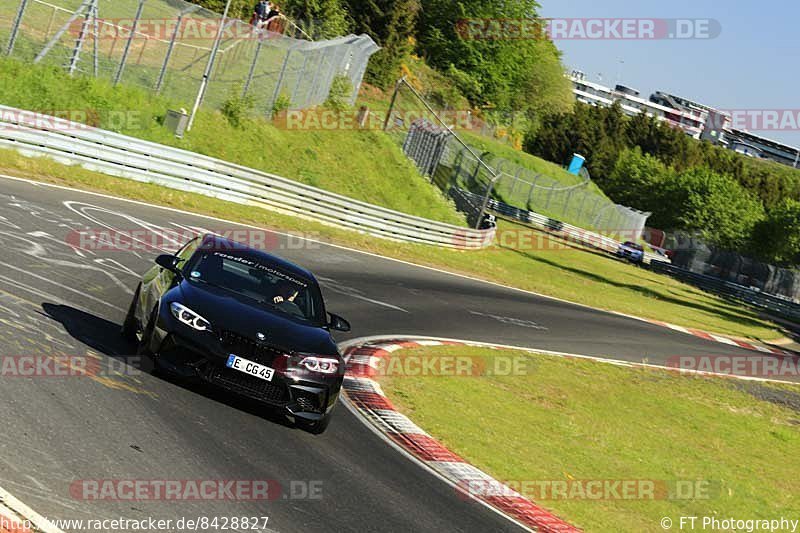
(249, 367)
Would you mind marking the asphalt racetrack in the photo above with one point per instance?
(55, 298)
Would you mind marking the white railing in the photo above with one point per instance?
(127, 157)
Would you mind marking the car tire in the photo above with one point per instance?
(129, 326)
(144, 345)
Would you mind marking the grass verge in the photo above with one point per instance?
(522, 259)
(565, 419)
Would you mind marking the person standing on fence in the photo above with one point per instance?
(261, 13)
(271, 23)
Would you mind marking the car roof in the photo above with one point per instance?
(218, 242)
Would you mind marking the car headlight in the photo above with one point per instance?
(189, 317)
(323, 365)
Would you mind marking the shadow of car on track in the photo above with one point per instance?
(104, 336)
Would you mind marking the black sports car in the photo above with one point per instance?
(243, 320)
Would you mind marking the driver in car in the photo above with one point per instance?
(285, 293)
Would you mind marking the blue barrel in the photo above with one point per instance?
(577, 164)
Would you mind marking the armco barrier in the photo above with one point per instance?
(127, 157)
(556, 227)
(721, 287)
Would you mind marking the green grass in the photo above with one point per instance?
(570, 273)
(571, 419)
(365, 165)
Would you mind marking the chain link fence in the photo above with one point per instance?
(164, 47)
(430, 137)
(579, 204)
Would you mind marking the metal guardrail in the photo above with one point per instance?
(127, 157)
(556, 227)
(722, 287)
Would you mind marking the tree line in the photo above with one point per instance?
(514, 79)
(744, 204)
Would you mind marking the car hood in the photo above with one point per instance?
(226, 311)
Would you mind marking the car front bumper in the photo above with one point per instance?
(202, 357)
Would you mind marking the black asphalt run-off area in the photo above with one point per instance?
(55, 299)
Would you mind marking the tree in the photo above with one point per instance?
(322, 19)
(714, 205)
(513, 74)
(777, 238)
(639, 180)
(392, 25)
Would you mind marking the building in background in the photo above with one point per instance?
(632, 103)
(698, 120)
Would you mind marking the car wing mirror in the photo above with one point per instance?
(168, 262)
(338, 323)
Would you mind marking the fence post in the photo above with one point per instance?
(127, 50)
(95, 50)
(15, 26)
(313, 89)
(277, 92)
(170, 48)
(252, 70)
(76, 52)
(567, 202)
(531, 191)
(580, 209)
(391, 104)
(61, 31)
(300, 77)
(212, 56)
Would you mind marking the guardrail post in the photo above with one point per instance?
(15, 26)
(277, 92)
(127, 49)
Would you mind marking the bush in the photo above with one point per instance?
(339, 95)
(281, 104)
(237, 108)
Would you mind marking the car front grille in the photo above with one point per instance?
(250, 386)
(248, 348)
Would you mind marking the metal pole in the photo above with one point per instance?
(277, 92)
(485, 204)
(252, 67)
(391, 104)
(96, 29)
(61, 31)
(457, 138)
(15, 27)
(76, 52)
(168, 55)
(300, 78)
(127, 49)
(207, 74)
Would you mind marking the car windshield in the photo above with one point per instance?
(259, 281)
